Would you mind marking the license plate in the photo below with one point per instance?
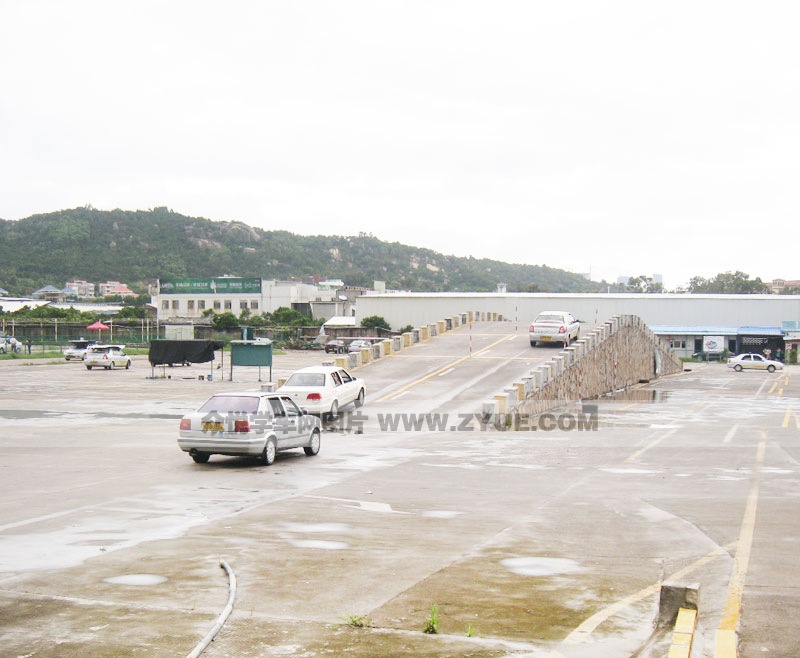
(545, 338)
(213, 427)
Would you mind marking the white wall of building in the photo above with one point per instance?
(401, 309)
(273, 295)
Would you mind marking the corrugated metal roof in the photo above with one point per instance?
(685, 330)
(760, 331)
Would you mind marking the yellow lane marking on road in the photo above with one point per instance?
(788, 416)
(652, 444)
(452, 364)
(581, 633)
(725, 641)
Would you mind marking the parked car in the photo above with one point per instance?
(709, 356)
(755, 362)
(77, 349)
(554, 327)
(249, 423)
(10, 344)
(358, 345)
(323, 390)
(335, 346)
(106, 356)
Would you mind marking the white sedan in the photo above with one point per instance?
(323, 390)
(755, 362)
(554, 327)
(248, 423)
(106, 356)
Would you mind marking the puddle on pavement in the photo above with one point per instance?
(540, 566)
(441, 514)
(136, 579)
(37, 414)
(336, 528)
(325, 545)
(637, 395)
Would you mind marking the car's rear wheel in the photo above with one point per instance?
(771, 368)
(333, 414)
(313, 447)
(270, 450)
(127, 365)
(199, 457)
(88, 367)
(360, 399)
(737, 367)
(533, 343)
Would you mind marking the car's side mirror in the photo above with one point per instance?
(304, 411)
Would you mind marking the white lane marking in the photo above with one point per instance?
(730, 434)
(368, 505)
(442, 374)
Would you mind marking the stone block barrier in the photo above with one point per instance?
(614, 356)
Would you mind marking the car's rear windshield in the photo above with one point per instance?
(549, 318)
(306, 379)
(225, 403)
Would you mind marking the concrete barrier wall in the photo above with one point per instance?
(618, 354)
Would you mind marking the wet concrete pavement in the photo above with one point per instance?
(538, 543)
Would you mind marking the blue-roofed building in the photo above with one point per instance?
(689, 341)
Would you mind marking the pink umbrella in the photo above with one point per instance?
(98, 326)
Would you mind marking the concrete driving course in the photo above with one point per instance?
(544, 543)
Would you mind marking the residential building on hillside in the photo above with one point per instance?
(115, 288)
(781, 286)
(50, 293)
(80, 288)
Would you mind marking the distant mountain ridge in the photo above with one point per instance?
(138, 247)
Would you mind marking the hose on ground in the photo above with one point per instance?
(223, 616)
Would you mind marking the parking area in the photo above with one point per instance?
(546, 542)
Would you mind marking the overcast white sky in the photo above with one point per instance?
(611, 138)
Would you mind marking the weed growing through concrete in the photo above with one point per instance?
(357, 621)
(470, 631)
(432, 623)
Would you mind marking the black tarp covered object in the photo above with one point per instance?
(163, 352)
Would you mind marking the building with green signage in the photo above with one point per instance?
(189, 299)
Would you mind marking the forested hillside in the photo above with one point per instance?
(138, 247)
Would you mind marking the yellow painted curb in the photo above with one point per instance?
(683, 634)
(725, 645)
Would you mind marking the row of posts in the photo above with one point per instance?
(420, 334)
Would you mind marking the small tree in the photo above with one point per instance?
(375, 322)
(224, 321)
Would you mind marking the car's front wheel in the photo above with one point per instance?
(771, 368)
(88, 367)
(127, 365)
(313, 447)
(270, 450)
(360, 399)
(737, 367)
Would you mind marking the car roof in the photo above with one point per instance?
(323, 369)
(233, 394)
(107, 345)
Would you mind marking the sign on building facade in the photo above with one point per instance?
(211, 286)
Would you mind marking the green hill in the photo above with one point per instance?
(138, 247)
